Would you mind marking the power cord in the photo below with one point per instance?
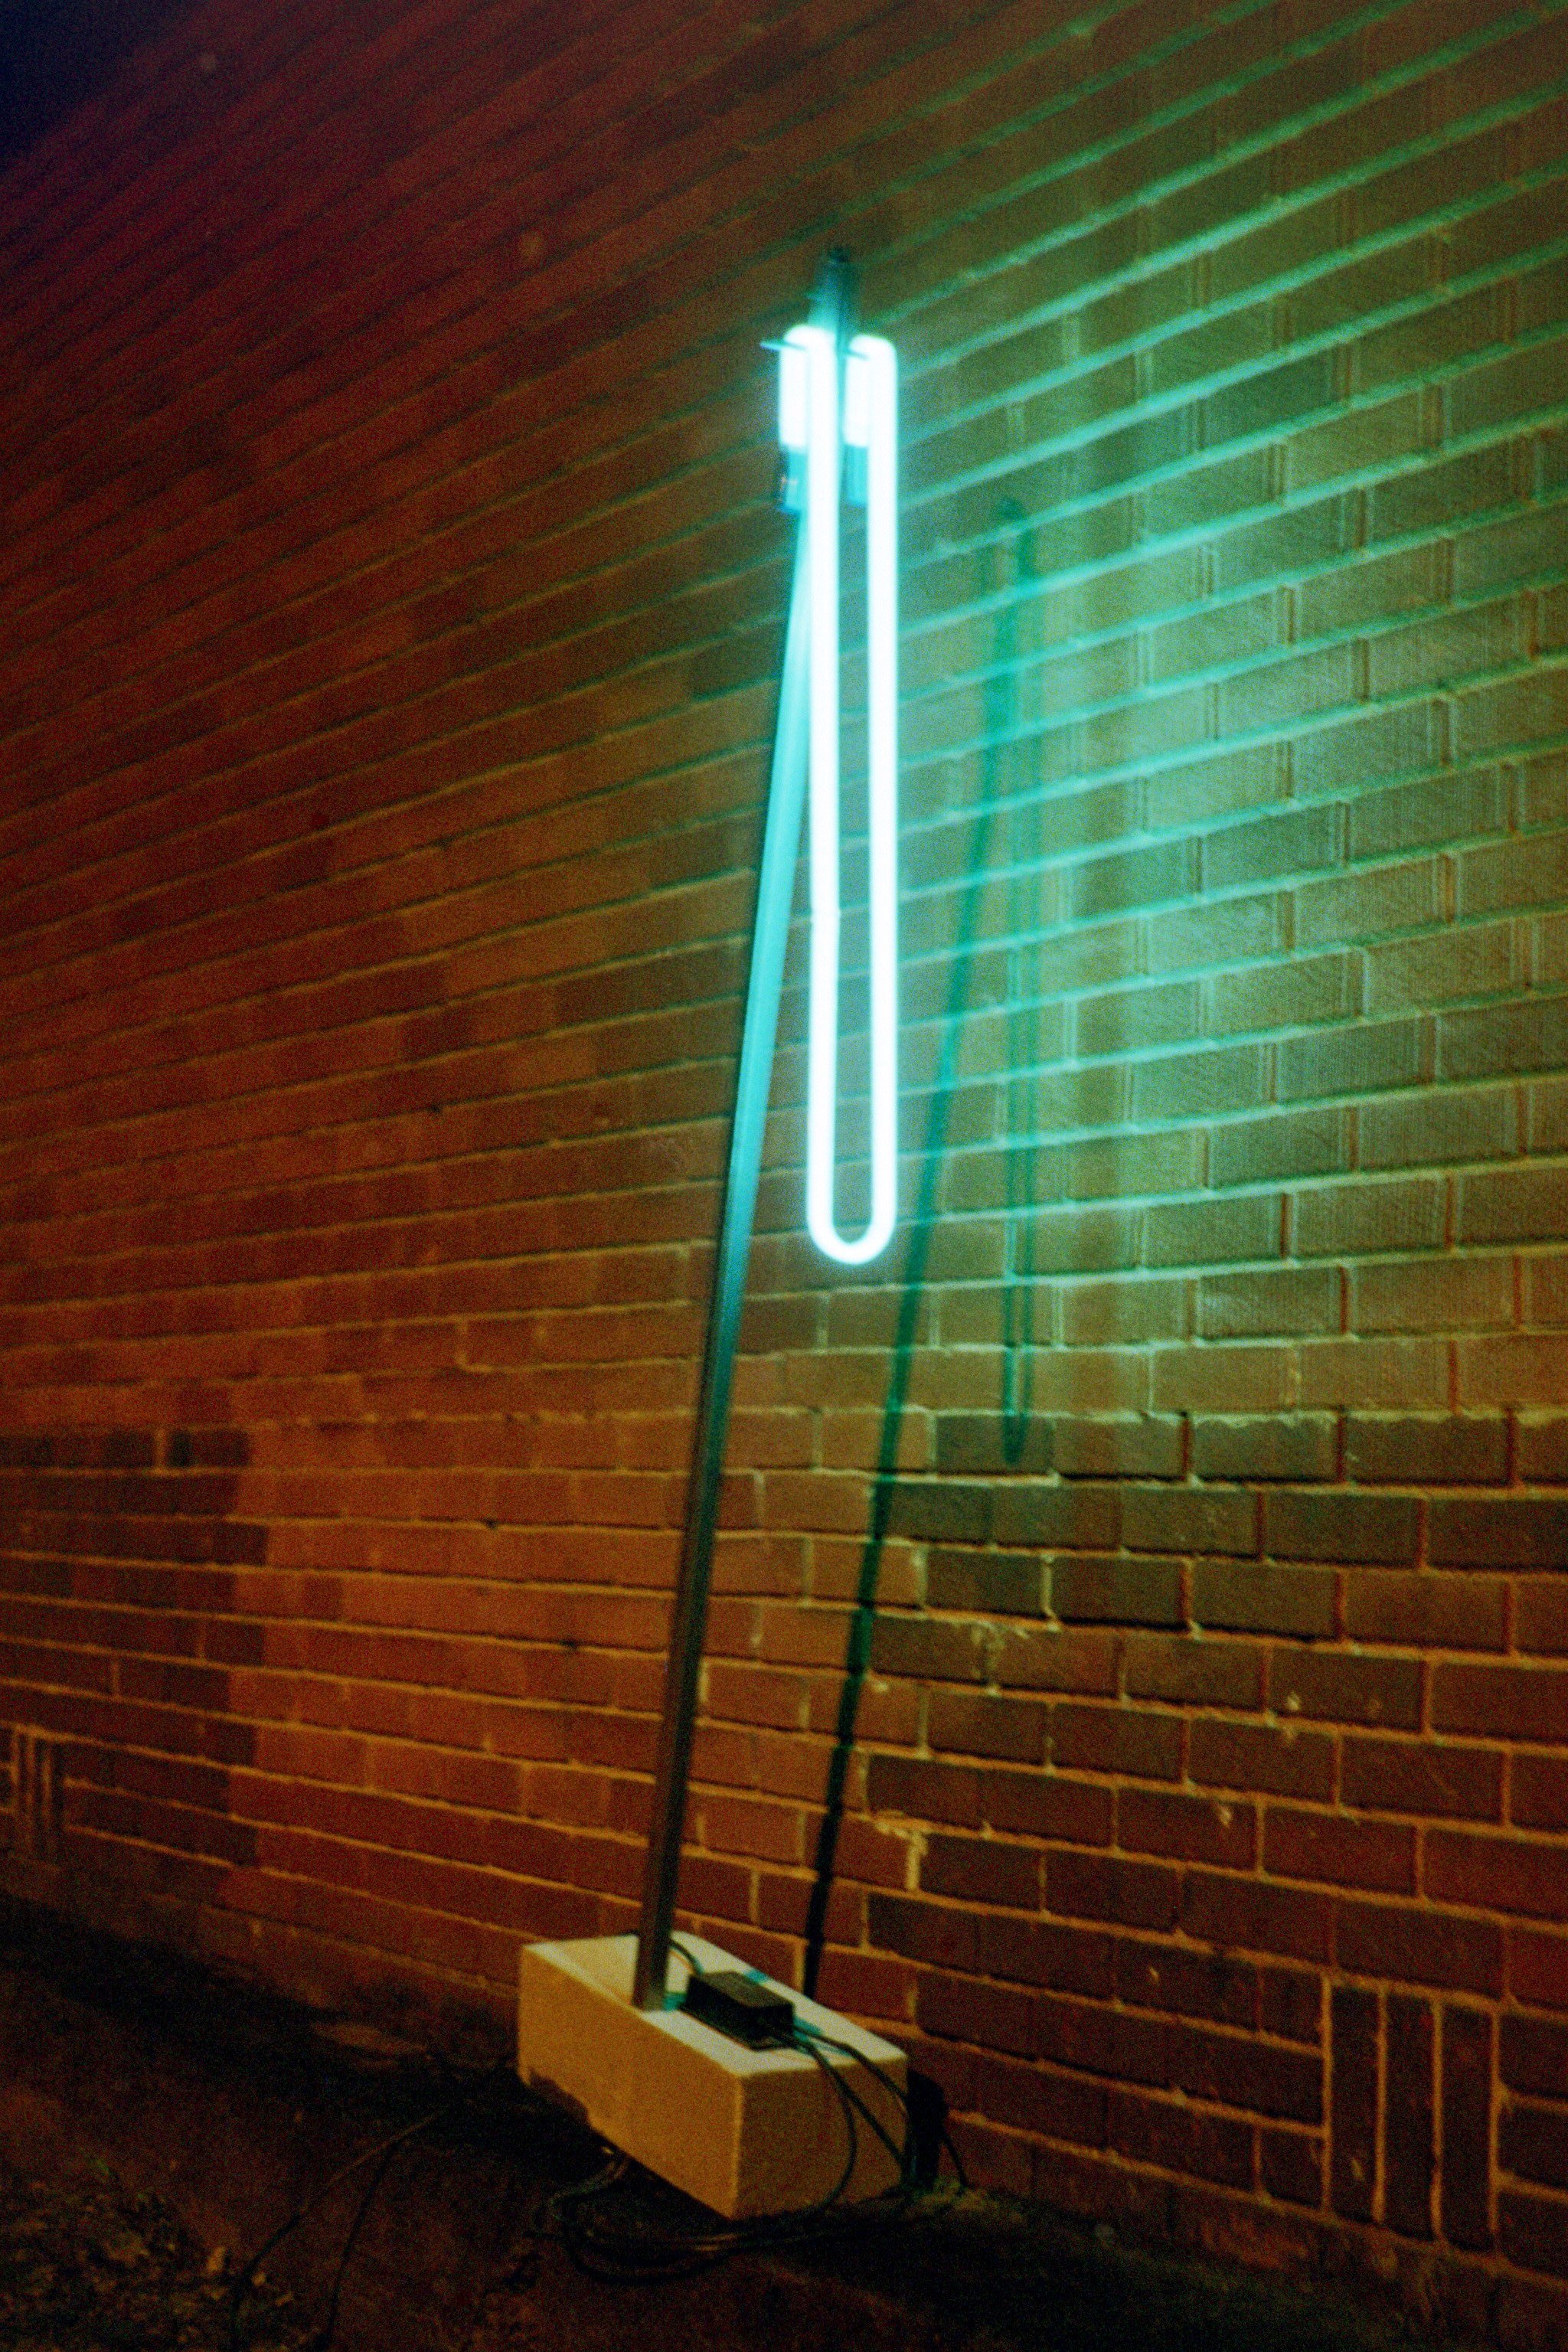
(605, 2223)
(926, 2132)
(620, 2224)
(380, 2156)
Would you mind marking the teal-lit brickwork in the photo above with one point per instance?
(1139, 1672)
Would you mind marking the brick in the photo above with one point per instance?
(1212, 1232)
(1282, 1147)
(1291, 2166)
(1299, 1523)
(1125, 1313)
(1335, 1850)
(941, 1511)
(928, 1648)
(1111, 1445)
(993, 2016)
(1012, 1729)
(1252, 1597)
(1122, 1314)
(1531, 2144)
(1507, 1874)
(1442, 1125)
(1502, 1531)
(1027, 1511)
(1437, 809)
(1533, 2054)
(1220, 1377)
(1188, 1519)
(1352, 2110)
(1007, 1584)
(1092, 1886)
(1482, 960)
(1466, 2063)
(1512, 1368)
(1083, 1241)
(976, 1442)
(1192, 1984)
(1180, 2140)
(940, 1934)
(1291, 2004)
(1512, 1205)
(982, 1870)
(1538, 1792)
(1374, 900)
(1341, 1688)
(1138, 878)
(1416, 1945)
(1533, 2230)
(1246, 2072)
(1046, 1805)
(1426, 1449)
(1409, 2117)
(1269, 848)
(1202, 1084)
(927, 1792)
(1504, 1702)
(1427, 1610)
(1542, 1443)
(1424, 1778)
(1138, 1017)
(1119, 1739)
(1361, 1058)
(1065, 1958)
(1237, 1913)
(1281, 1299)
(1182, 1671)
(1284, 1760)
(1046, 1657)
(1193, 1829)
(1302, 1445)
(1044, 2099)
(1504, 1038)
(1283, 996)
(1120, 1590)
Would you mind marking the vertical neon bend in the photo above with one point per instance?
(813, 422)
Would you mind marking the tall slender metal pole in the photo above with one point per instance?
(759, 1038)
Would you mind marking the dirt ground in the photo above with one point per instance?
(157, 2124)
(89, 2264)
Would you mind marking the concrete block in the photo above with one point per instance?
(745, 2132)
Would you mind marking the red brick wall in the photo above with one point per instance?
(391, 613)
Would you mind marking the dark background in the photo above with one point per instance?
(54, 53)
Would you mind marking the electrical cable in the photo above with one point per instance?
(1024, 849)
(607, 2232)
(602, 2221)
(379, 2155)
(812, 2038)
(906, 2160)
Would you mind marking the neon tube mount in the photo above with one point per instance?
(838, 426)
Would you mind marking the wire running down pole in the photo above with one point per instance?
(830, 308)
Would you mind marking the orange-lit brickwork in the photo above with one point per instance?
(390, 609)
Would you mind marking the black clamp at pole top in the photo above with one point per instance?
(832, 298)
(832, 308)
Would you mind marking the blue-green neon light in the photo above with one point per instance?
(819, 421)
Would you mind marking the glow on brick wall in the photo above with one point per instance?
(1135, 1679)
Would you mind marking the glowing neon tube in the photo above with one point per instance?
(814, 428)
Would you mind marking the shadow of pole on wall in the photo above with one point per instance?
(1000, 718)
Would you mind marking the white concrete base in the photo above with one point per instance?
(743, 2131)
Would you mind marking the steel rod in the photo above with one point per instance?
(759, 1038)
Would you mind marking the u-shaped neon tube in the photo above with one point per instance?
(816, 425)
